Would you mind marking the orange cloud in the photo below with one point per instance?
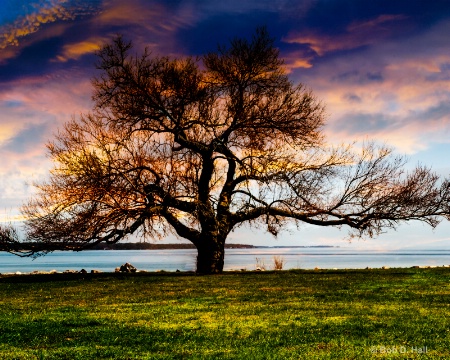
(75, 51)
(23, 26)
(43, 13)
(296, 61)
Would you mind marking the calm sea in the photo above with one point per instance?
(235, 259)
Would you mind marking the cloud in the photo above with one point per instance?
(41, 23)
(31, 110)
(58, 94)
(357, 34)
(392, 130)
(24, 141)
(298, 59)
(6, 54)
(374, 24)
(74, 51)
(158, 18)
(43, 13)
(394, 91)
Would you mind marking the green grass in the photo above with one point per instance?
(343, 314)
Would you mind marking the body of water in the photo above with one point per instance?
(235, 259)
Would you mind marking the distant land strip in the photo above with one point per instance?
(165, 246)
(36, 247)
(162, 246)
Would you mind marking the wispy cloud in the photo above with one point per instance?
(158, 19)
(74, 51)
(357, 34)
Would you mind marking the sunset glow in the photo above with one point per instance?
(382, 71)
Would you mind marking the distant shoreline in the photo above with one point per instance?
(144, 246)
(151, 246)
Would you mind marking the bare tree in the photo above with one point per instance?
(197, 147)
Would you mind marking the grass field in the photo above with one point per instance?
(341, 314)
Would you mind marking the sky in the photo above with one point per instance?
(380, 67)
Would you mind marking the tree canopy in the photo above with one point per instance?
(197, 147)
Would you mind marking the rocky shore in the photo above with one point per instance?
(125, 268)
(128, 268)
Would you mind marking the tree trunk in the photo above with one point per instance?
(210, 258)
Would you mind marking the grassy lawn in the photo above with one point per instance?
(341, 314)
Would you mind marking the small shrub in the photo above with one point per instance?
(260, 265)
(278, 262)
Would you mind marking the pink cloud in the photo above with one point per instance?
(42, 105)
(296, 60)
(394, 91)
(356, 35)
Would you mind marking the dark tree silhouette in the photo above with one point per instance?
(199, 147)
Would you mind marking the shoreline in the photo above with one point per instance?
(236, 260)
(232, 271)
